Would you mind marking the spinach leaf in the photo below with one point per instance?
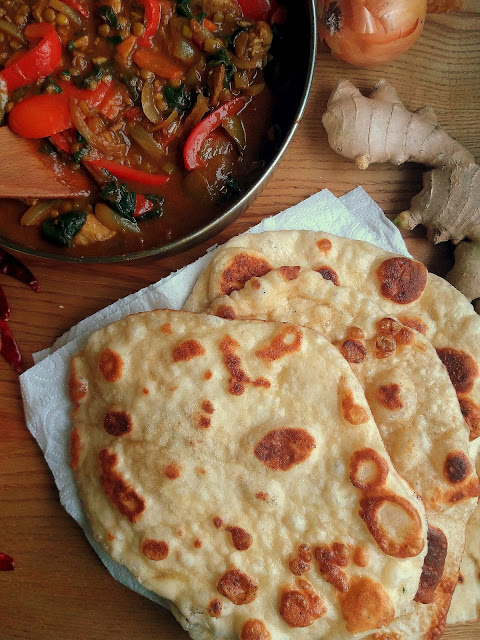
(183, 9)
(178, 98)
(120, 198)
(115, 39)
(51, 86)
(109, 15)
(218, 58)
(61, 231)
(93, 76)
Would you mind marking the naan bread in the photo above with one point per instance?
(213, 465)
(412, 401)
(401, 287)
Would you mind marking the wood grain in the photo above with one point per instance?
(59, 589)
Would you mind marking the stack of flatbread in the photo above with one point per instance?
(294, 455)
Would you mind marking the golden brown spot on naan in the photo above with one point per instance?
(301, 562)
(353, 351)
(388, 395)
(197, 543)
(110, 536)
(172, 471)
(202, 421)
(122, 495)
(328, 273)
(255, 283)
(166, 328)
(75, 448)
(77, 389)
(110, 364)
(324, 245)
(457, 467)
(207, 375)
(471, 415)
(155, 549)
(218, 522)
(433, 565)
(187, 350)
(117, 423)
(392, 328)
(385, 347)
(238, 378)
(394, 524)
(461, 579)
(361, 556)
(237, 587)
(145, 391)
(215, 608)
(226, 311)
(200, 471)
(255, 630)
(366, 605)
(330, 559)
(289, 273)
(207, 406)
(241, 539)
(385, 635)
(352, 412)
(288, 341)
(355, 333)
(242, 267)
(414, 323)
(300, 606)
(402, 280)
(368, 470)
(282, 449)
(461, 368)
(262, 495)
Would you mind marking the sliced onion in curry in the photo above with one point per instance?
(148, 104)
(38, 213)
(71, 14)
(146, 142)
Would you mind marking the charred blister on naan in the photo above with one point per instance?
(461, 368)
(385, 347)
(241, 539)
(122, 495)
(77, 388)
(324, 245)
(394, 524)
(203, 418)
(225, 311)
(385, 635)
(287, 342)
(166, 329)
(402, 280)
(117, 423)
(254, 629)
(237, 587)
(242, 267)
(215, 608)
(75, 448)
(353, 413)
(282, 449)
(471, 415)
(332, 559)
(366, 606)
(155, 549)
(172, 471)
(457, 467)
(110, 364)
(328, 273)
(368, 470)
(389, 396)
(299, 605)
(414, 322)
(187, 350)
(289, 273)
(238, 377)
(433, 565)
(301, 563)
(353, 351)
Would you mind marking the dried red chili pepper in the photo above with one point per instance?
(9, 348)
(6, 562)
(12, 267)
(4, 306)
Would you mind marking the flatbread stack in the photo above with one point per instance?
(290, 457)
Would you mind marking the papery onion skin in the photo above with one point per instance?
(367, 33)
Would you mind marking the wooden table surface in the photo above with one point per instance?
(59, 589)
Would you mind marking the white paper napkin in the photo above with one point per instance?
(45, 386)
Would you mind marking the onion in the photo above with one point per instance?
(71, 14)
(38, 213)
(148, 104)
(113, 221)
(235, 129)
(11, 30)
(146, 142)
(109, 150)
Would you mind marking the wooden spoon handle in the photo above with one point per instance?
(25, 172)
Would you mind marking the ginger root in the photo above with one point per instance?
(379, 128)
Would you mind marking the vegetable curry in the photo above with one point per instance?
(164, 103)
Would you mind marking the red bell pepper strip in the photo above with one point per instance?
(11, 266)
(49, 113)
(204, 128)
(80, 6)
(4, 306)
(152, 22)
(37, 62)
(7, 563)
(257, 9)
(60, 142)
(9, 348)
(123, 172)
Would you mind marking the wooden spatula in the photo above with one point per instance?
(25, 172)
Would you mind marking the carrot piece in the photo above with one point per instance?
(158, 63)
